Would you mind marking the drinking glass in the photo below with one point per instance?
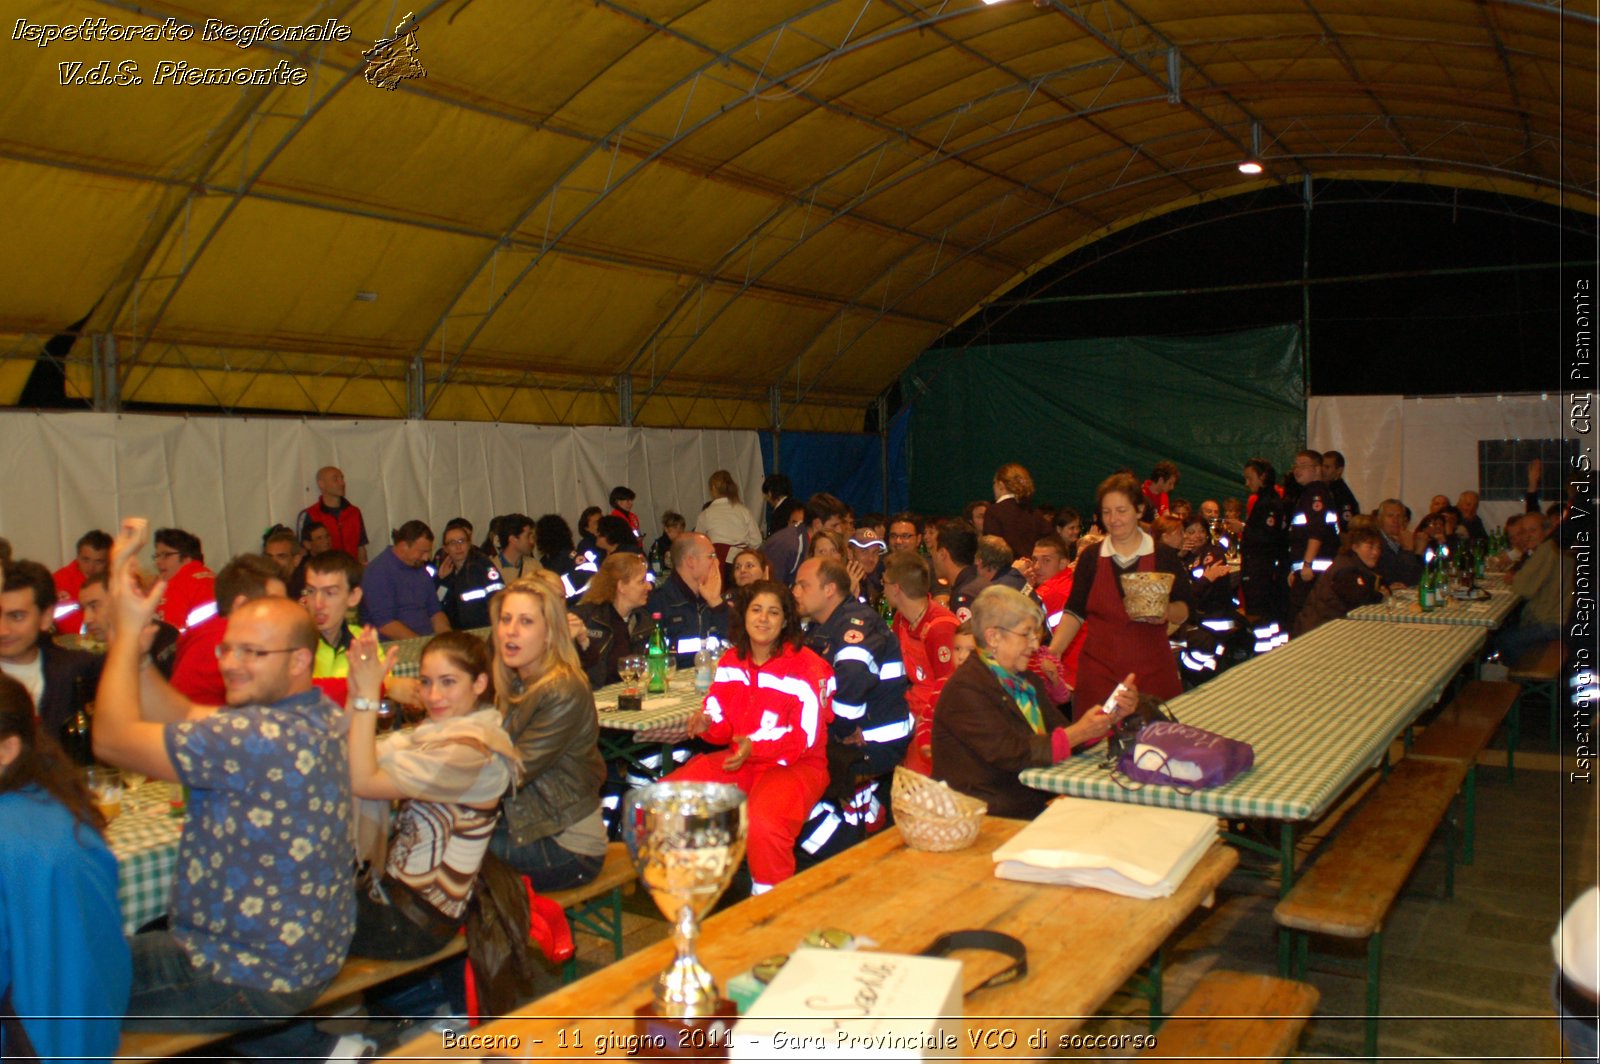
(105, 790)
(631, 669)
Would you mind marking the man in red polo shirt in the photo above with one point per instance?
(190, 597)
(337, 514)
(196, 673)
(94, 553)
(1157, 490)
(927, 632)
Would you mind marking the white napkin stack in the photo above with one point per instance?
(1134, 850)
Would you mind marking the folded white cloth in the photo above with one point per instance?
(1134, 850)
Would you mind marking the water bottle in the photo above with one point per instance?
(705, 664)
(656, 659)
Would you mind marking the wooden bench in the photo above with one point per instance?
(1234, 1016)
(1462, 731)
(1539, 673)
(1351, 886)
(357, 975)
(596, 907)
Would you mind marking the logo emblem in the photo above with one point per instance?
(853, 636)
(944, 653)
(392, 60)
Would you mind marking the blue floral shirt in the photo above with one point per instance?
(263, 893)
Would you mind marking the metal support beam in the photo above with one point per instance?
(107, 386)
(624, 399)
(417, 390)
(1305, 293)
(882, 403)
(775, 402)
(1174, 75)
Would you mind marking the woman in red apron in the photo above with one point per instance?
(1116, 644)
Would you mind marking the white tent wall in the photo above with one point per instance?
(229, 479)
(1412, 449)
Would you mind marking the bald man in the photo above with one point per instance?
(262, 906)
(337, 514)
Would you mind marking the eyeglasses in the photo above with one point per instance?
(1031, 635)
(248, 653)
(456, 542)
(160, 554)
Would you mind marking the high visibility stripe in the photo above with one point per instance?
(66, 608)
(759, 888)
(892, 670)
(1317, 565)
(690, 644)
(848, 710)
(480, 593)
(1219, 624)
(1330, 517)
(1298, 519)
(888, 733)
(855, 653)
(1055, 618)
(802, 692)
(824, 831)
(767, 735)
(203, 612)
(729, 674)
(570, 588)
(1197, 573)
(713, 709)
(431, 570)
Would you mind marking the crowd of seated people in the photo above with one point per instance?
(966, 647)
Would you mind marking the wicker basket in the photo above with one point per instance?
(933, 817)
(1145, 595)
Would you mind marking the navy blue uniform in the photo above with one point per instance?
(869, 683)
(1314, 517)
(1262, 546)
(686, 618)
(464, 594)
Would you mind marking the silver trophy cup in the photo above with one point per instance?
(686, 840)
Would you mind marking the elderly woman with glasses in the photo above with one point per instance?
(994, 718)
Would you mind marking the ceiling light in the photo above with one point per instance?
(1252, 164)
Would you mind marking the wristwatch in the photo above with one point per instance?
(364, 705)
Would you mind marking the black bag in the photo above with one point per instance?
(1123, 736)
(497, 938)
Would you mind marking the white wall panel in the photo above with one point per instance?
(1416, 448)
(229, 479)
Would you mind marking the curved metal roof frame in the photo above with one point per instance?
(844, 179)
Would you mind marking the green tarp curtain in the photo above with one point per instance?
(1075, 411)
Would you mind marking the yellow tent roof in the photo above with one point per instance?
(688, 207)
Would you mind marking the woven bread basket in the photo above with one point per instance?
(1145, 595)
(931, 816)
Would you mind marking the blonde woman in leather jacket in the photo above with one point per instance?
(551, 831)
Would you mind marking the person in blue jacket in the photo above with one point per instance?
(62, 954)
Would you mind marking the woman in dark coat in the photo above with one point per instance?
(1263, 544)
(1012, 516)
(1352, 580)
(994, 719)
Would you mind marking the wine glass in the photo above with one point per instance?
(631, 669)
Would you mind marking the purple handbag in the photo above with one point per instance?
(1183, 756)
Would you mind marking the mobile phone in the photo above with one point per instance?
(1108, 707)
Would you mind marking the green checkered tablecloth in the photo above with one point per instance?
(660, 711)
(1318, 711)
(145, 841)
(408, 653)
(1403, 609)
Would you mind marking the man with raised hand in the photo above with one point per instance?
(263, 901)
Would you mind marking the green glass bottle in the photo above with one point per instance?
(656, 659)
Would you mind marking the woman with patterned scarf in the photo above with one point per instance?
(994, 718)
(451, 772)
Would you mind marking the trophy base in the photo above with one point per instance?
(707, 1037)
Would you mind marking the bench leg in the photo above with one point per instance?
(1449, 858)
(1513, 738)
(1147, 983)
(1374, 969)
(1469, 823)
